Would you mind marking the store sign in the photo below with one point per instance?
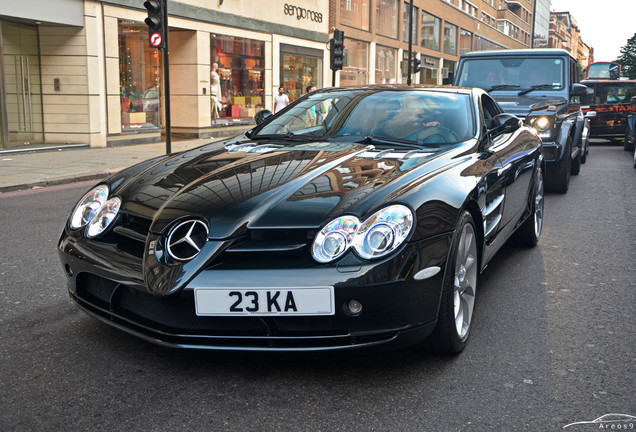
(302, 13)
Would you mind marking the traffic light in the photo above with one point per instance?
(155, 22)
(417, 65)
(336, 50)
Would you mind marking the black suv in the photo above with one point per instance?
(541, 87)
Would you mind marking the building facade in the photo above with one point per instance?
(566, 34)
(82, 72)
(377, 35)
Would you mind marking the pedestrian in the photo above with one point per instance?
(280, 100)
(311, 112)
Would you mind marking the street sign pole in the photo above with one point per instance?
(166, 74)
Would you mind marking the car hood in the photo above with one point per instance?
(254, 185)
(522, 105)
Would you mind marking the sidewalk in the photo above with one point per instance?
(44, 168)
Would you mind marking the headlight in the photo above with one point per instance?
(106, 214)
(542, 125)
(383, 232)
(334, 239)
(378, 236)
(88, 207)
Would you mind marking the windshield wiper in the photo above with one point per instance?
(536, 87)
(370, 139)
(502, 87)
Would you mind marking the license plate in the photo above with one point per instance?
(264, 301)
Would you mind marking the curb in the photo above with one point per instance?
(55, 182)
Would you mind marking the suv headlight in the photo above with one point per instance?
(376, 237)
(542, 125)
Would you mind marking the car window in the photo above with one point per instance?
(425, 117)
(523, 73)
(609, 93)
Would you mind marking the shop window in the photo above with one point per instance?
(430, 31)
(356, 63)
(140, 78)
(448, 72)
(299, 68)
(239, 64)
(385, 65)
(355, 13)
(387, 18)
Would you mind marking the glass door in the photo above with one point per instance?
(22, 85)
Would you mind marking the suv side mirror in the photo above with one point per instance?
(578, 90)
(260, 116)
(504, 123)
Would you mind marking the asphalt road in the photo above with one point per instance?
(553, 341)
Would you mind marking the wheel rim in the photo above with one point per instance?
(538, 205)
(465, 283)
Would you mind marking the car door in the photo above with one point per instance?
(516, 155)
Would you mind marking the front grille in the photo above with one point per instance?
(175, 314)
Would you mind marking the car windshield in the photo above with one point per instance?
(517, 74)
(613, 93)
(421, 117)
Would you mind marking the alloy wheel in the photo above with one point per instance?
(465, 283)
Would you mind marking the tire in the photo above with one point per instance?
(558, 175)
(529, 232)
(585, 153)
(627, 146)
(458, 291)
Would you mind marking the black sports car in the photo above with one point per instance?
(355, 217)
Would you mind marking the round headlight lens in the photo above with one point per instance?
(542, 124)
(103, 219)
(383, 232)
(334, 239)
(88, 207)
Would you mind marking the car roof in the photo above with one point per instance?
(520, 52)
(405, 87)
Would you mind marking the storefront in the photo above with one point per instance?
(385, 65)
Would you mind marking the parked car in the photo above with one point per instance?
(365, 226)
(541, 87)
(610, 100)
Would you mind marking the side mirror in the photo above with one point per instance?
(504, 123)
(260, 116)
(632, 101)
(578, 90)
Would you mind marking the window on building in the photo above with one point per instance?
(385, 65)
(428, 75)
(241, 66)
(139, 78)
(448, 72)
(482, 44)
(450, 38)
(387, 18)
(430, 31)
(355, 13)
(465, 41)
(488, 19)
(356, 61)
(405, 23)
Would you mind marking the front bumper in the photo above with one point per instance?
(397, 309)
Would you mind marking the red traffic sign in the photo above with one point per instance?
(155, 40)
